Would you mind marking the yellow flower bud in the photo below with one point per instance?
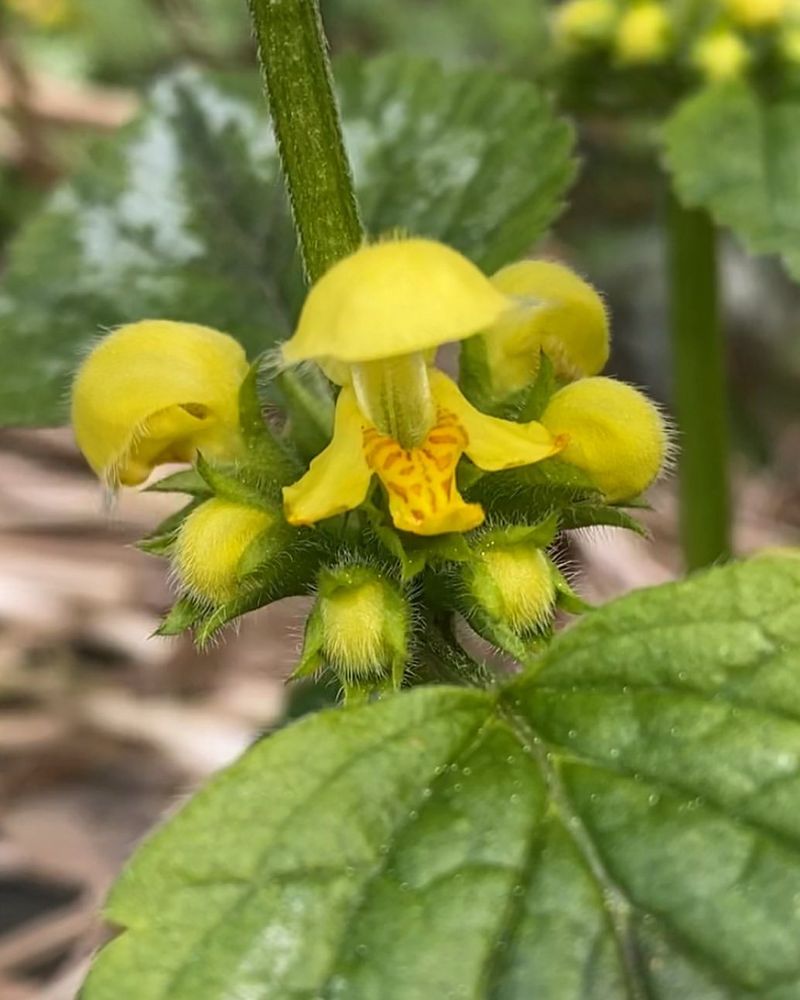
(513, 584)
(359, 627)
(644, 34)
(614, 434)
(211, 543)
(756, 13)
(155, 392)
(721, 55)
(559, 313)
(582, 22)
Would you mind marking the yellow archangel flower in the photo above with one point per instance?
(721, 55)
(757, 13)
(644, 34)
(372, 322)
(581, 22)
(790, 45)
(155, 392)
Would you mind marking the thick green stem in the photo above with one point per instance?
(299, 85)
(701, 398)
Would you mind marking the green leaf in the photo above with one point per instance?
(535, 399)
(306, 398)
(161, 541)
(278, 564)
(531, 492)
(624, 825)
(236, 485)
(186, 481)
(268, 458)
(737, 154)
(590, 515)
(471, 158)
(184, 614)
(475, 380)
(182, 215)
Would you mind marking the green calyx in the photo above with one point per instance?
(359, 627)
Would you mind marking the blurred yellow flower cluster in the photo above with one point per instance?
(717, 39)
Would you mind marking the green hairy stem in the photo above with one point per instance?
(299, 86)
(701, 395)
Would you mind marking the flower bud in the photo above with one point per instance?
(210, 546)
(614, 434)
(559, 313)
(512, 584)
(644, 34)
(756, 13)
(721, 55)
(156, 392)
(584, 22)
(359, 627)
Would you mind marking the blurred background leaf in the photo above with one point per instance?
(737, 153)
(183, 215)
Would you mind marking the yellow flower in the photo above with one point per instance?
(644, 33)
(211, 543)
(721, 55)
(581, 22)
(559, 313)
(790, 45)
(756, 13)
(614, 434)
(155, 392)
(373, 321)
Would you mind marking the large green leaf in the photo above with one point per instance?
(624, 824)
(183, 216)
(736, 153)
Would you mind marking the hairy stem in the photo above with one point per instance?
(297, 76)
(701, 396)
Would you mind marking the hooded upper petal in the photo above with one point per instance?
(558, 313)
(155, 392)
(393, 298)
